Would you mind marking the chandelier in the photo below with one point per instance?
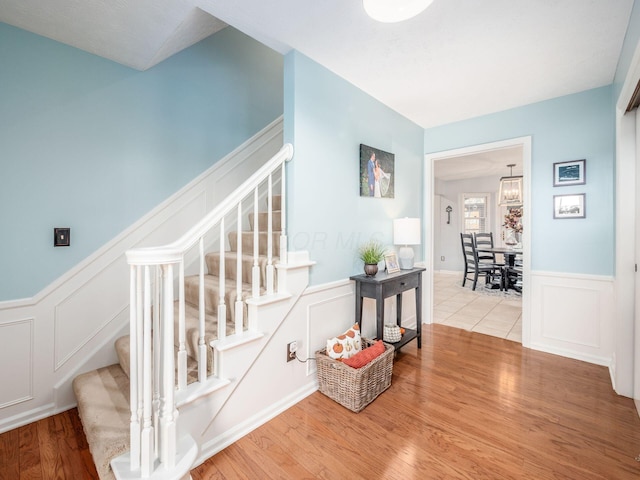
(510, 192)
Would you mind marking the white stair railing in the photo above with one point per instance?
(153, 344)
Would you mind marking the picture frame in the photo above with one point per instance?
(569, 206)
(391, 263)
(570, 173)
(377, 173)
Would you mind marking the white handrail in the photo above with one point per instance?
(172, 253)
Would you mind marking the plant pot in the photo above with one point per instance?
(370, 270)
(511, 239)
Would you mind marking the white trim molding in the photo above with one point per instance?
(429, 215)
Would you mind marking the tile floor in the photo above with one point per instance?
(491, 314)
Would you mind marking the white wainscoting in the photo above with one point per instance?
(327, 317)
(573, 316)
(16, 355)
(70, 326)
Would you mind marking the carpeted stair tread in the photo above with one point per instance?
(263, 221)
(192, 333)
(192, 340)
(123, 349)
(231, 266)
(212, 293)
(247, 242)
(103, 406)
(276, 202)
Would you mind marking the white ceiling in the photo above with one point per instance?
(489, 163)
(456, 60)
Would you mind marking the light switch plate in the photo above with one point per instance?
(61, 237)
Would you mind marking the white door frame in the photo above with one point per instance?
(625, 368)
(430, 216)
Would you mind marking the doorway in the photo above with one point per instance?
(433, 211)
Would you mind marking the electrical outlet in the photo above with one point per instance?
(292, 347)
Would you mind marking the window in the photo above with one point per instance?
(476, 212)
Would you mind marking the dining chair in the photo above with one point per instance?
(485, 240)
(472, 265)
(513, 278)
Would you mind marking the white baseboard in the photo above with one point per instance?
(29, 416)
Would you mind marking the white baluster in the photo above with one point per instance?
(202, 346)
(147, 448)
(182, 349)
(167, 413)
(239, 310)
(155, 349)
(134, 426)
(222, 309)
(270, 270)
(140, 349)
(283, 216)
(255, 273)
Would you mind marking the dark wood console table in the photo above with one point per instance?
(385, 285)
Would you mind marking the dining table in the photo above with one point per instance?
(509, 253)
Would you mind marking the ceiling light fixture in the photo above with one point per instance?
(510, 189)
(391, 11)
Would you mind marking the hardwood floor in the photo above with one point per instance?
(51, 448)
(466, 406)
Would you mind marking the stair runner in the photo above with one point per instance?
(103, 394)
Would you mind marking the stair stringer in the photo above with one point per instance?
(271, 315)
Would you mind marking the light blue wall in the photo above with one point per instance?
(567, 128)
(326, 119)
(92, 145)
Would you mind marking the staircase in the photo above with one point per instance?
(174, 356)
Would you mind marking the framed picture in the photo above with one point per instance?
(569, 173)
(376, 172)
(391, 261)
(569, 206)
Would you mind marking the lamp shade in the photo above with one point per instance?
(391, 11)
(406, 231)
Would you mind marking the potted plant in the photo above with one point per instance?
(371, 253)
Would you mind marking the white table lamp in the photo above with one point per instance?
(406, 231)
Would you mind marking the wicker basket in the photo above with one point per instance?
(355, 388)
